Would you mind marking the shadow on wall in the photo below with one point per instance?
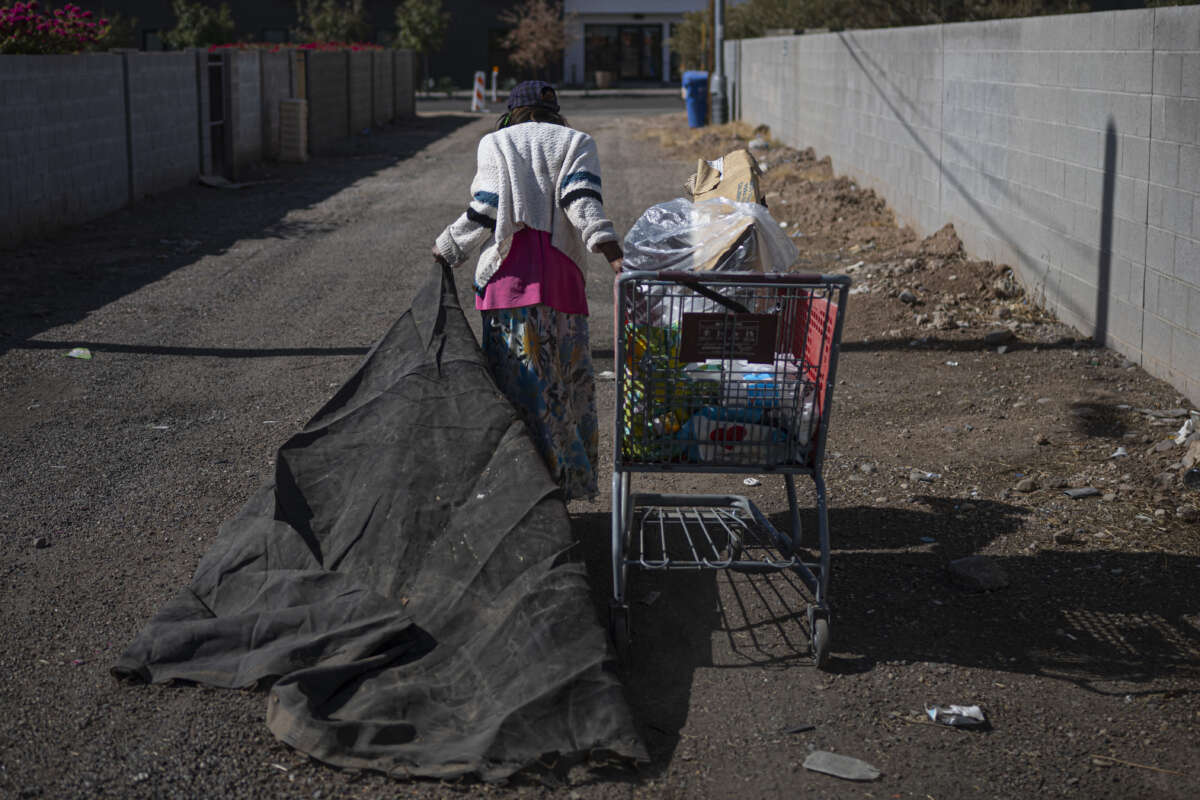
(52, 282)
(874, 73)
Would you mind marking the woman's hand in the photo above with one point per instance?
(612, 252)
(437, 256)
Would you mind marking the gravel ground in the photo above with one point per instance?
(219, 320)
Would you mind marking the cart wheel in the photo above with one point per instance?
(820, 642)
(618, 629)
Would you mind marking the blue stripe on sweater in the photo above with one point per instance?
(488, 198)
(582, 175)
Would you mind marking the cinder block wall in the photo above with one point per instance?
(405, 83)
(276, 86)
(82, 136)
(383, 101)
(1171, 327)
(328, 105)
(1067, 147)
(245, 104)
(164, 134)
(62, 142)
(358, 89)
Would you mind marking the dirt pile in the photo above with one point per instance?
(1088, 417)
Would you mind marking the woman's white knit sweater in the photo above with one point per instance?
(537, 175)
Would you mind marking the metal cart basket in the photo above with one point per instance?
(724, 372)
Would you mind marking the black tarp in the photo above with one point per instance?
(401, 585)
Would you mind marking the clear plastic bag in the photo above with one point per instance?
(715, 235)
(711, 235)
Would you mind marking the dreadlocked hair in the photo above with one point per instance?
(530, 114)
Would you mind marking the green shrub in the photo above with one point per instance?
(198, 25)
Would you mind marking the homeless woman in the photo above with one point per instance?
(536, 206)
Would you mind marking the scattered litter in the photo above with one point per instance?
(160, 427)
(752, 482)
(1189, 427)
(280, 767)
(968, 717)
(862, 288)
(951, 363)
(480, 496)
(77, 662)
(650, 598)
(797, 235)
(1120, 452)
(915, 475)
(855, 266)
(783, 223)
(928, 539)
(978, 573)
(270, 421)
(80, 352)
(1096, 757)
(1086, 491)
(217, 182)
(840, 766)
(41, 543)
(1191, 478)
(607, 375)
(1167, 413)
(803, 727)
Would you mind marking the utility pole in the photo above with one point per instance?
(717, 89)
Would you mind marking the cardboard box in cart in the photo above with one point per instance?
(733, 177)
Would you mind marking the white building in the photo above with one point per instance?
(627, 39)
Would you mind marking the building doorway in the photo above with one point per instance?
(631, 52)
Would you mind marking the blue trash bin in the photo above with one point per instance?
(695, 88)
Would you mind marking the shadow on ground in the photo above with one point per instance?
(1087, 617)
(59, 279)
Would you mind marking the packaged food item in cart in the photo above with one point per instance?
(732, 436)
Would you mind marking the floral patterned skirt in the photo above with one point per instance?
(541, 359)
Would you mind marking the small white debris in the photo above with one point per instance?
(752, 482)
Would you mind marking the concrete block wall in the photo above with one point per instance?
(1171, 334)
(63, 158)
(276, 87)
(202, 98)
(164, 134)
(1067, 147)
(326, 77)
(245, 108)
(82, 136)
(405, 83)
(359, 90)
(383, 95)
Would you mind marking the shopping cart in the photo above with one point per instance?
(727, 373)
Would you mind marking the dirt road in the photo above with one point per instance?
(218, 321)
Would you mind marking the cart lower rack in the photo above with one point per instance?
(729, 373)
